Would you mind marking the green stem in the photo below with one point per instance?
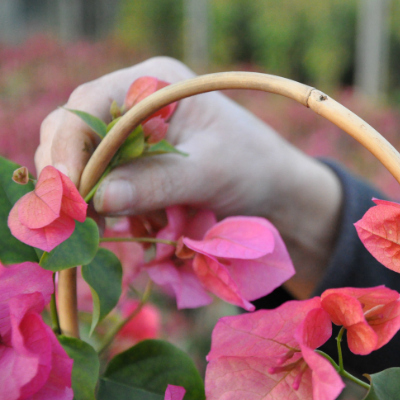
(110, 337)
(339, 347)
(138, 239)
(42, 256)
(347, 375)
(330, 359)
(342, 372)
(96, 186)
(53, 310)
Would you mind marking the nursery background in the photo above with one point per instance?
(349, 49)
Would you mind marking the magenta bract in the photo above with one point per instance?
(378, 229)
(32, 363)
(269, 354)
(46, 217)
(370, 315)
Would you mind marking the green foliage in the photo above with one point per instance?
(85, 370)
(104, 276)
(152, 25)
(163, 147)
(385, 385)
(12, 251)
(117, 391)
(133, 147)
(309, 41)
(79, 249)
(149, 367)
(97, 125)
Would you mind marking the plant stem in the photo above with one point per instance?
(110, 337)
(53, 310)
(339, 348)
(138, 239)
(347, 375)
(329, 358)
(342, 372)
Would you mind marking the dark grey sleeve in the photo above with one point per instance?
(352, 265)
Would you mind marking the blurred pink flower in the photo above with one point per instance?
(174, 392)
(270, 355)
(370, 315)
(44, 218)
(33, 365)
(145, 325)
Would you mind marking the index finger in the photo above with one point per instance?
(66, 141)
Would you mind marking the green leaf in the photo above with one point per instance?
(79, 249)
(85, 370)
(385, 385)
(118, 391)
(12, 251)
(162, 147)
(99, 126)
(112, 123)
(133, 146)
(153, 364)
(104, 276)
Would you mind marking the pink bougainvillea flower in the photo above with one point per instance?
(238, 259)
(46, 217)
(155, 127)
(144, 87)
(176, 275)
(33, 365)
(174, 392)
(370, 315)
(379, 231)
(145, 325)
(269, 355)
(241, 259)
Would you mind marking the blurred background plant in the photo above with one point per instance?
(48, 47)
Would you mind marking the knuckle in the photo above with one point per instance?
(80, 95)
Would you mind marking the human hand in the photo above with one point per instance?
(236, 164)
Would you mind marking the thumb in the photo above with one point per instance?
(150, 184)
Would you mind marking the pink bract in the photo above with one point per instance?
(46, 217)
(33, 365)
(145, 325)
(269, 355)
(175, 275)
(379, 229)
(241, 259)
(238, 259)
(370, 315)
(174, 392)
(155, 126)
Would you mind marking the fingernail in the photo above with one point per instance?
(115, 196)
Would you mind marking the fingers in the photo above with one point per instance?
(152, 183)
(67, 142)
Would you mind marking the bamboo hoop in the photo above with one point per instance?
(306, 95)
